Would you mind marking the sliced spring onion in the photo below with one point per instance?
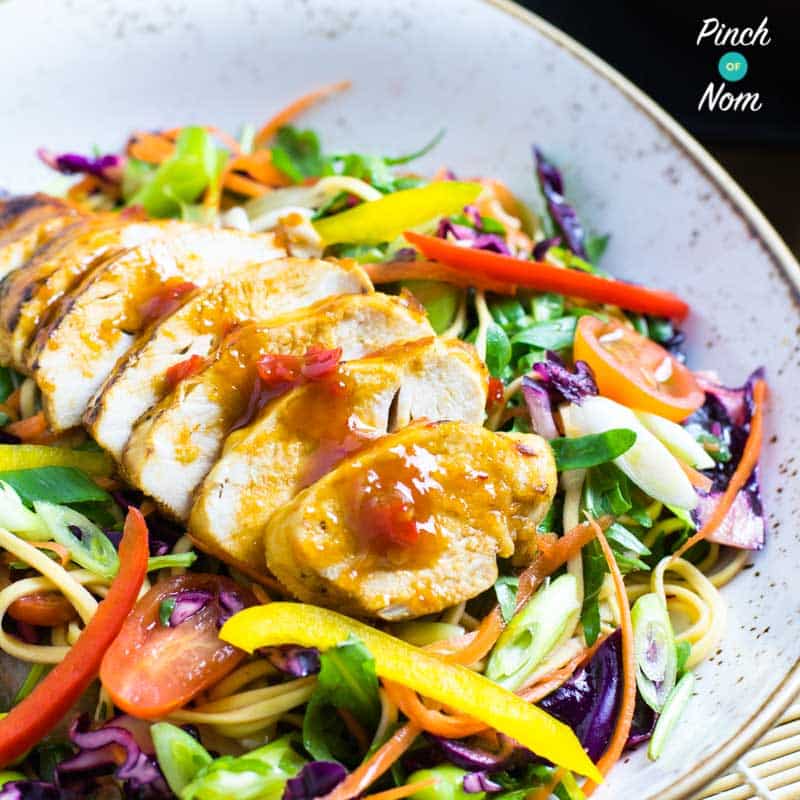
(534, 632)
(18, 519)
(171, 560)
(179, 755)
(87, 544)
(648, 463)
(677, 440)
(654, 647)
(671, 713)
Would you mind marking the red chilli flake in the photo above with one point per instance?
(184, 369)
(166, 299)
(496, 392)
(277, 374)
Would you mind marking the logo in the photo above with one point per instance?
(732, 65)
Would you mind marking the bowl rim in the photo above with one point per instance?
(781, 697)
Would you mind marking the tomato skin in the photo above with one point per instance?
(45, 609)
(152, 669)
(625, 366)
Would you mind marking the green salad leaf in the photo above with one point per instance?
(591, 450)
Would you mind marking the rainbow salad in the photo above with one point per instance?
(321, 478)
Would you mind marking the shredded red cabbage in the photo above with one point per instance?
(30, 790)
(642, 725)
(108, 167)
(563, 384)
(97, 751)
(298, 662)
(472, 758)
(726, 415)
(187, 603)
(314, 780)
(480, 782)
(540, 248)
(478, 239)
(589, 700)
(561, 211)
(537, 399)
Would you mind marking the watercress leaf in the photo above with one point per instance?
(591, 450)
(298, 154)
(625, 539)
(595, 246)
(498, 349)
(506, 588)
(554, 334)
(347, 680)
(547, 306)
(507, 311)
(7, 384)
(594, 570)
(440, 300)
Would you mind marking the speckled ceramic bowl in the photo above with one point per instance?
(79, 72)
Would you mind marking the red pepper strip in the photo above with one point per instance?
(32, 719)
(548, 278)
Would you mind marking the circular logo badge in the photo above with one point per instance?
(732, 66)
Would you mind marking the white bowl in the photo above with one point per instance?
(82, 72)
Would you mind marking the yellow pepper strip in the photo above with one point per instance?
(385, 219)
(31, 456)
(452, 685)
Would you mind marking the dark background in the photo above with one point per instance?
(653, 43)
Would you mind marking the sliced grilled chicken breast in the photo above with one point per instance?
(174, 445)
(415, 522)
(29, 292)
(259, 292)
(99, 321)
(26, 223)
(305, 433)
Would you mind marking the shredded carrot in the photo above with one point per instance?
(154, 148)
(361, 778)
(260, 168)
(451, 726)
(697, 479)
(109, 484)
(173, 133)
(544, 792)
(30, 428)
(11, 405)
(296, 108)
(403, 791)
(355, 728)
(242, 185)
(747, 463)
(552, 680)
(54, 547)
(628, 702)
(79, 191)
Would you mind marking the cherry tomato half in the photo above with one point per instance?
(45, 609)
(151, 668)
(636, 371)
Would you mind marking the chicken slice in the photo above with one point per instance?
(99, 321)
(415, 522)
(26, 223)
(29, 292)
(182, 436)
(306, 432)
(260, 292)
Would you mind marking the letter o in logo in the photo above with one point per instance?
(732, 66)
